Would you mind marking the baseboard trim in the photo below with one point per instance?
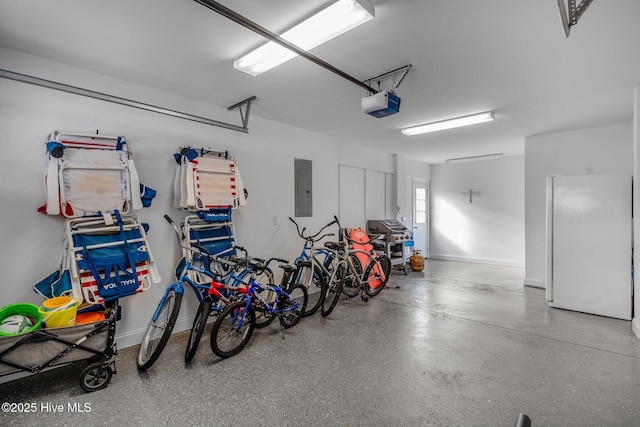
(490, 261)
(535, 283)
(135, 337)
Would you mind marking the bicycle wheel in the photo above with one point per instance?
(233, 329)
(350, 283)
(199, 323)
(290, 308)
(159, 331)
(333, 293)
(377, 275)
(263, 317)
(316, 288)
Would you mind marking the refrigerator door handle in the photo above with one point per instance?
(549, 240)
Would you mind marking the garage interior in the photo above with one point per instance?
(476, 338)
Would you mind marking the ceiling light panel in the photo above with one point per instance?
(337, 18)
(449, 124)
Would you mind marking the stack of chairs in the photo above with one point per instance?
(91, 180)
(209, 186)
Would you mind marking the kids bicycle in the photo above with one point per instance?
(164, 317)
(234, 326)
(219, 296)
(215, 295)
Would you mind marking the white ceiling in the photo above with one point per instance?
(509, 56)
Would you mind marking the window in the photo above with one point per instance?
(421, 205)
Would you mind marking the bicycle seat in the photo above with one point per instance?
(304, 263)
(238, 260)
(256, 264)
(288, 268)
(334, 245)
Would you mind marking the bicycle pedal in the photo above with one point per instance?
(364, 298)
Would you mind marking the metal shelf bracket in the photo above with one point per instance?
(571, 12)
(244, 117)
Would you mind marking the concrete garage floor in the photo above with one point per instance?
(457, 345)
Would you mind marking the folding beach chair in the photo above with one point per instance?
(207, 179)
(213, 230)
(90, 174)
(111, 257)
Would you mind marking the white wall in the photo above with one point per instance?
(265, 157)
(598, 150)
(490, 228)
(365, 158)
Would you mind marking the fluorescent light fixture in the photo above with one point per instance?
(335, 19)
(474, 158)
(449, 124)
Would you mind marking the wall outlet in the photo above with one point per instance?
(275, 220)
(589, 169)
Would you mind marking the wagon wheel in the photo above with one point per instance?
(95, 377)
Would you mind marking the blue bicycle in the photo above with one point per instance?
(234, 326)
(313, 266)
(164, 317)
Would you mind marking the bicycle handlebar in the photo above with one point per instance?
(177, 230)
(240, 248)
(259, 265)
(314, 238)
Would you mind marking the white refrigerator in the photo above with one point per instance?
(589, 244)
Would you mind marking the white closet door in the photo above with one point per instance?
(375, 195)
(352, 197)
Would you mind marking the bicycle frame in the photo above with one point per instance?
(361, 278)
(184, 267)
(310, 253)
(271, 307)
(252, 295)
(182, 276)
(308, 249)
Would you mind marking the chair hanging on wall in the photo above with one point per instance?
(90, 174)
